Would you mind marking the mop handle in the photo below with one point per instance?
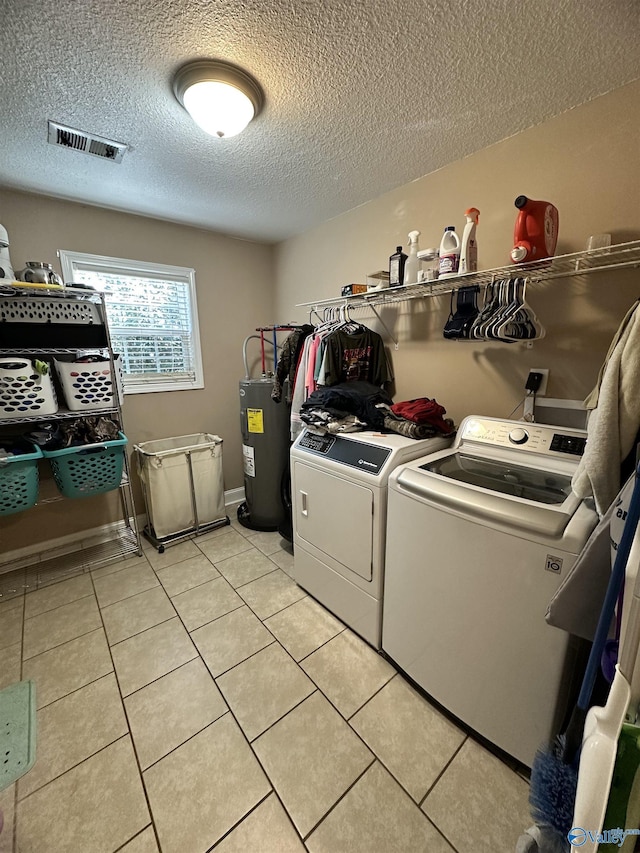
(613, 590)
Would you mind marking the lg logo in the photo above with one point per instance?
(553, 564)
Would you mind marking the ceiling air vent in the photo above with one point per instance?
(78, 140)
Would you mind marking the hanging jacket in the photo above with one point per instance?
(288, 362)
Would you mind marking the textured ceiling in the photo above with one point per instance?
(361, 96)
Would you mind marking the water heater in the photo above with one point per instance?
(265, 447)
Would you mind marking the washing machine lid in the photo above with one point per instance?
(507, 478)
(493, 490)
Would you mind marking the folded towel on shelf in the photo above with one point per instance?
(614, 423)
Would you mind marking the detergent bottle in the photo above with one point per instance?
(413, 262)
(535, 235)
(469, 247)
(449, 253)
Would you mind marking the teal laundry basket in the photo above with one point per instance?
(19, 481)
(88, 469)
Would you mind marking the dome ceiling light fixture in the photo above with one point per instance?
(220, 97)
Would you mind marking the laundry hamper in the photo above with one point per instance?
(183, 486)
(19, 480)
(89, 385)
(26, 389)
(88, 469)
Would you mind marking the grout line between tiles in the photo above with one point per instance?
(244, 660)
(180, 745)
(58, 645)
(373, 695)
(265, 575)
(137, 633)
(133, 838)
(130, 734)
(144, 631)
(238, 822)
(341, 798)
(57, 607)
(14, 828)
(242, 732)
(326, 642)
(75, 766)
(357, 734)
(443, 771)
(286, 714)
(215, 562)
(195, 586)
(273, 790)
(235, 719)
(127, 597)
(249, 743)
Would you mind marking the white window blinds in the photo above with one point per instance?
(152, 319)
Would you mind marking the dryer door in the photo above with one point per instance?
(335, 516)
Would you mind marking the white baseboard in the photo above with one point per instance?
(73, 541)
(233, 496)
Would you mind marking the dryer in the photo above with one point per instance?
(479, 538)
(339, 497)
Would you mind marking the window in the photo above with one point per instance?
(152, 316)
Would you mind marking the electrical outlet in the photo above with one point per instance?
(542, 390)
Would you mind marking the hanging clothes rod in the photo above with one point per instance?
(285, 327)
(288, 327)
(347, 307)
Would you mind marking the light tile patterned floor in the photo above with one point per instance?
(199, 700)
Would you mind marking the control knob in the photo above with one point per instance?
(518, 436)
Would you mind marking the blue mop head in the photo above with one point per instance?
(552, 794)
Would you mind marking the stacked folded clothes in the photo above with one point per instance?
(419, 418)
(358, 405)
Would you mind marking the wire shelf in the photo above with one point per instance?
(17, 288)
(50, 350)
(27, 574)
(60, 415)
(620, 256)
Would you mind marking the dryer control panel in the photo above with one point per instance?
(355, 454)
(523, 436)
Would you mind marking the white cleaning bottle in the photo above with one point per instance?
(449, 253)
(413, 262)
(469, 246)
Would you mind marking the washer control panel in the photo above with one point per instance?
(531, 437)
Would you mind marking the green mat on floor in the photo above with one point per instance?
(17, 731)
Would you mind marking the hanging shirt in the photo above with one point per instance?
(299, 395)
(357, 356)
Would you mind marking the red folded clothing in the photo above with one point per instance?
(423, 411)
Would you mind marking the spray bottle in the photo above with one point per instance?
(413, 262)
(469, 246)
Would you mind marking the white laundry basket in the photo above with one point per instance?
(89, 385)
(26, 389)
(173, 506)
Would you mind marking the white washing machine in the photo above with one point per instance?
(339, 497)
(479, 538)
